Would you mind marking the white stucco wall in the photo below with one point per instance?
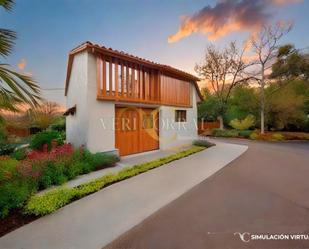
(77, 125)
(173, 133)
(93, 123)
(101, 133)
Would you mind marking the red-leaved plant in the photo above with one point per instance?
(63, 150)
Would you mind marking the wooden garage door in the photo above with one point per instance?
(136, 130)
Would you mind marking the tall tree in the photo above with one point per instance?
(15, 87)
(290, 64)
(265, 46)
(224, 69)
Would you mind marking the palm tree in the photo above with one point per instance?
(15, 88)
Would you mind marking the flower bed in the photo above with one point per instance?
(42, 169)
(39, 205)
(47, 203)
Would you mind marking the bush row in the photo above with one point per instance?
(231, 133)
(254, 135)
(49, 202)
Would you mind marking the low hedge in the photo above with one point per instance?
(231, 133)
(267, 136)
(51, 201)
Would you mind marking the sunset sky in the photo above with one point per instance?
(169, 32)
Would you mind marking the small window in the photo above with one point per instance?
(180, 116)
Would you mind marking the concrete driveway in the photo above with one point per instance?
(265, 191)
(96, 220)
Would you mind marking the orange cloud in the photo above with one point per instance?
(22, 64)
(227, 16)
(284, 2)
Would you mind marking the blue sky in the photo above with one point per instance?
(48, 29)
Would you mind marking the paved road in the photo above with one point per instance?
(265, 191)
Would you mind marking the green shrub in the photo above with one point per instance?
(13, 195)
(203, 143)
(46, 137)
(245, 133)
(254, 136)
(277, 137)
(54, 174)
(58, 173)
(244, 124)
(45, 181)
(87, 167)
(58, 125)
(74, 169)
(49, 202)
(19, 154)
(101, 160)
(225, 133)
(55, 199)
(7, 169)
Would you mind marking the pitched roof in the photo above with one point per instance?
(123, 55)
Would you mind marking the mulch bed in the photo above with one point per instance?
(13, 221)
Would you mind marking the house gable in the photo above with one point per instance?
(127, 78)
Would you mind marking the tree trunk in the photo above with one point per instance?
(263, 101)
(220, 118)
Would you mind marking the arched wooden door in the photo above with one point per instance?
(136, 130)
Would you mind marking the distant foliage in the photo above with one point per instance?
(58, 125)
(244, 124)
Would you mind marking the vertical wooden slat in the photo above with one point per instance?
(99, 75)
(142, 83)
(147, 85)
(151, 90)
(116, 78)
(110, 76)
(127, 80)
(159, 87)
(133, 80)
(122, 79)
(138, 82)
(104, 77)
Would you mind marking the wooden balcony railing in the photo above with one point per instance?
(122, 80)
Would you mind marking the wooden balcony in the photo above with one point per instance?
(126, 81)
